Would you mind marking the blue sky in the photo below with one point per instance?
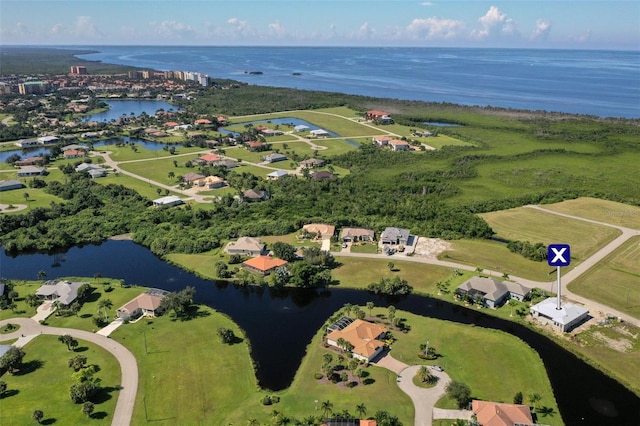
(581, 24)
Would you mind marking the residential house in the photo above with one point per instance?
(322, 231)
(263, 264)
(563, 319)
(46, 140)
(493, 292)
(26, 143)
(399, 145)
(254, 146)
(74, 153)
(246, 246)
(190, 178)
(93, 170)
(229, 164)
(30, 171)
(64, 292)
(363, 337)
(146, 304)
(171, 124)
(208, 159)
(300, 128)
(8, 185)
(395, 236)
(277, 175)
(380, 117)
(381, 140)
(270, 132)
(501, 414)
(274, 157)
(322, 175)
(311, 163)
(251, 195)
(75, 146)
(202, 121)
(169, 200)
(319, 133)
(357, 234)
(211, 182)
(31, 161)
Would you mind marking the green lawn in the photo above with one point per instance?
(614, 281)
(46, 386)
(158, 170)
(201, 264)
(22, 309)
(360, 272)
(371, 248)
(495, 354)
(141, 187)
(126, 153)
(289, 239)
(600, 210)
(526, 224)
(187, 376)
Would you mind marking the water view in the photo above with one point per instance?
(128, 108)
(584, 394)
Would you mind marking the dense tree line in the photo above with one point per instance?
(537, 251)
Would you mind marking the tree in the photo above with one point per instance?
(37, 415)
(391, 265)
(32, 300)
(460, 392)
(479, 270)
(370, 306)
(347, 308)
(26, 196)
(327, 408)
(77, 362)
(518, 398)
(284, 251)
(12, 295)
(327, 358)
(226, 335)
(12, 359)
(3, 388)
(66, 339)
(87, 408)
(392, 312)
(361, 409)
(42, 275)
(534, 398)
(83, 391)
(104, 305)
(171, 174)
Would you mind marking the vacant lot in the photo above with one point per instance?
(615, 281)
(46, 381)
(527, 224)
(600, 210)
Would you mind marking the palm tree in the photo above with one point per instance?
(66, 339)
(171, 175)
(327, 358)
(392, 313)
(347, 308)
(105, 304)
(327, 408)
(534, 398)
(361, 410)
(37, 415)
(42, 275)
(370, 307)
(479, 270)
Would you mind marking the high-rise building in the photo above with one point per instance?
(30, 87)
(78, 70)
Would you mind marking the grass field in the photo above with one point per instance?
(187, 376)
(494, 352)
(202, 264)
(527, 224)
(140, 186)
(126, 153)
(46, 381)
(614, 281)
(158, 170)
(289, 239)
(600, 210)
(360, 272)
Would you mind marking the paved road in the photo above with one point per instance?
(128, 365)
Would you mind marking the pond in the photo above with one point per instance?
(280, 323)
(440, 124)
(127, 107)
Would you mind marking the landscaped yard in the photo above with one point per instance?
(46, 381)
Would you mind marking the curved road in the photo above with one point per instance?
(128, 366)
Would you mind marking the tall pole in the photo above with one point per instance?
(559, 290)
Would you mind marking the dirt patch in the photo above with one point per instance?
(431, 247)
(620, 345)
(4, 208)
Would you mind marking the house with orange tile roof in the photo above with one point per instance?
(499, 414)
(263, 264)
(171, 124)
(382, 140)
(363, 337)
(202, 121)
(74, 153)
(254, 145)
(380, 117)
(207, 159)
(399, 145)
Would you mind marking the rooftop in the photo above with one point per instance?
(568, 312)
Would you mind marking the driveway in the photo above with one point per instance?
(423, 399)
(128, 367)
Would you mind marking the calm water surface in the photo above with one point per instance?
(280, 324)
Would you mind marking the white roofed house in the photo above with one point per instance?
(277, 175)
(563, 319)
(64, 292)
(248, 246)
(319, 133)
(169, 200)
(145, 304)
(31, 171)
(8, 185)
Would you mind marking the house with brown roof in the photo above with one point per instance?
(251, 195)
(145, 304)
(493, 292)
(254, 145)
(74, 153)
(263, 265)
(380, 117)
(321, 230)
(311, 163)
(322, 175)
(31, 161)
(349, 235)
(500, 414)
(202, 121)
(247, 246)
(399, 145)
(208, 159)
(190, 177)
(381, 140)
(363, 337)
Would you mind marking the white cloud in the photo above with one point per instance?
(426, 3)
(85, 28)
(542, 30)
(239, 27)
(366, 31)
(277, 29)
(172, 29)
(581, 38)
(495, 24)
(434, 28)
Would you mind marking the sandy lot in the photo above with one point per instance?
(430, 247)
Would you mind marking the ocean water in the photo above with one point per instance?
(593, 82)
